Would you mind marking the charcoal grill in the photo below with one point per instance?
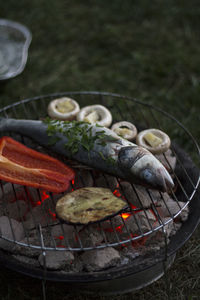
(142, 270)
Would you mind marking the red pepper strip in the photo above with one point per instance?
(22, 165)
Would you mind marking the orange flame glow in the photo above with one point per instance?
(117, 193)
(125, 215)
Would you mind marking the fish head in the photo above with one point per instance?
(142, 167)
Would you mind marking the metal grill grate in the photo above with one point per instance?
(122, 108)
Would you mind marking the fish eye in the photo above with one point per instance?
(147, 174)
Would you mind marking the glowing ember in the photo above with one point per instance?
(125, 215)
(138, 242)
(52, 214)
(60, 237)
(119, 228)
(72, 182)
(44, 196)
(117, 193)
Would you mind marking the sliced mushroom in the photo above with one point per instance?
(154, 140)
(125, 129)
(95, 114)
(63, 109)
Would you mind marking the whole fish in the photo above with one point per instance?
(95, 146)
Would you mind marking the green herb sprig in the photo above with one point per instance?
(78, 134)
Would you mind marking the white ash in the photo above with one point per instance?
(10, 229)
(33, 242)
(154, 243)
(5, 189)
(141, 221)
(41, 215)
(65, 234)
(15, 210)
(55, 260)
(167, 228)
(12, 204)
(159, 238)
(99, 259)
(176, 227)
(171, 208)
(158, 197)
(130, 252)
(27, 251)
(90, 237)
(136, 195)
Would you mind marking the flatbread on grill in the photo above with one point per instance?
(89, 204)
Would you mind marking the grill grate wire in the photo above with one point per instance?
(124, 108)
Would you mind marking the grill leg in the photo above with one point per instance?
(44, 263)
(167, 281)
(44, 288)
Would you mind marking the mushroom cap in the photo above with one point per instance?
(130, 134)
(70, 114)
(103, 113)
(161, 147)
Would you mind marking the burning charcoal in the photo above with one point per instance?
(43, 214)
(175, 228)
(171, 208)
(107, 181)
(167, 159)
(34, 239)
(16, 210)
(159, 238)
(83, 179)
(90, 236)
(114, 222)
(136, 195)
(56, 260)
(129, 251)
(112, 230)
(141, 222)
(96, 260)
(159, 197)
(167, 227)
(5, 189)
(10, 229)
(28, 251)
(64, 235)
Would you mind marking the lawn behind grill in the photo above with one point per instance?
(144, 49)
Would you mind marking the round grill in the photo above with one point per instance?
(141, 114)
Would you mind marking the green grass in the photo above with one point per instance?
(145, 49)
